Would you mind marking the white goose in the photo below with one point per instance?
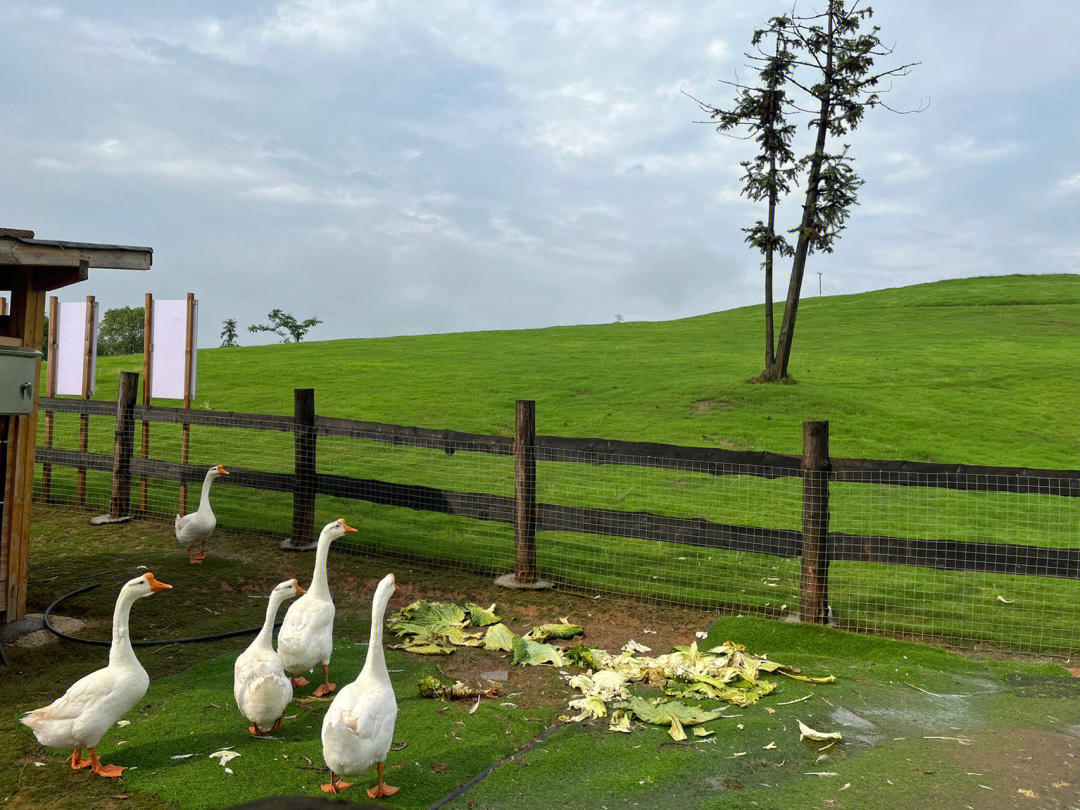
(94, 703)
(259, 684)
(306, 637)
(197, 526)
(358, 728)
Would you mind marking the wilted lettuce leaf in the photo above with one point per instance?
(533, 653)
(428, 618)
(807, 733)
(499, 637)
(481, 617)
(562, 630)
(669, 713)
(583, 656)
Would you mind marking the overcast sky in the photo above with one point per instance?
(422, 167)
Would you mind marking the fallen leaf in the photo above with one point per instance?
(224, 756)
(769, 747)
(122, 723)
(1003, 600)
(1031, 794)
(807, 733)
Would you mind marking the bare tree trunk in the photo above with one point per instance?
(779, 369)
(769, 359)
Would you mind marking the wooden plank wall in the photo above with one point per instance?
(27, 323)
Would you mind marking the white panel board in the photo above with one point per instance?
(169, 342)
(71, 348)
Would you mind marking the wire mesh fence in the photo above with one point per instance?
(956, 557)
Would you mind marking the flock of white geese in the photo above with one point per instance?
(358, 728)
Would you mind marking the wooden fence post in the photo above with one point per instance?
(148, 338)
(525, 492)
(185, 428)
(303, 526)
(50, 391)
(120, 502)
(84, 419)
(814, 605)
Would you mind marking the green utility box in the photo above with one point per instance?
(18, 380)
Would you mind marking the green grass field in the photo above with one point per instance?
(978, 370)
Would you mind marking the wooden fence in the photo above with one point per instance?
(814, 543)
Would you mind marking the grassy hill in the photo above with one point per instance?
(979, 370)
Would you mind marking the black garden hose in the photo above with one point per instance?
(161, 643)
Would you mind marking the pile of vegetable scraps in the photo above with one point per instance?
(726, 673)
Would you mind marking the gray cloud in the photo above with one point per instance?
(428, 167)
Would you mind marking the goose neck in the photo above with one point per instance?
(204, 497)
(375, 661)
(319, 586)
(266, 634)
(120, 651)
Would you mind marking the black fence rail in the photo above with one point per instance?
(815, 543)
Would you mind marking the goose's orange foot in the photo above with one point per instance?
(276, 726)
(299, 682)
(197, 558)
(336, 785)
(77, 761)
(381, 789)
(255, 731)
(325, 689)
(108, 771)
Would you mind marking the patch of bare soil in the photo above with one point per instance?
(609, 622)
(1029, 768)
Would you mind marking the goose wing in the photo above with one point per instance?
(83, 696)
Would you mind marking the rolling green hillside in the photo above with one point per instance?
(982, 370)
(979, 370)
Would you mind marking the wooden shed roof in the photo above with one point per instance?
(20, 248)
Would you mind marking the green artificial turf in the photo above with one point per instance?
(884, 761)
(1019, 739)
(979, 370)
(194, 713)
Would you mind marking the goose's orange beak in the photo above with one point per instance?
(156, 586)
(348, 528)
(221, 470)
(299, 589)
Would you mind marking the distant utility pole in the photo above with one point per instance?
(819, 284)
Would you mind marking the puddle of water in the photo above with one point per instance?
(845, 718)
